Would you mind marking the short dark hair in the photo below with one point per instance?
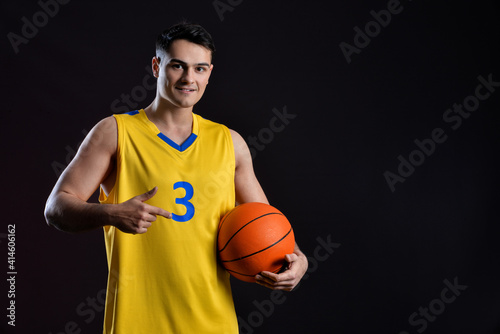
(193, 33)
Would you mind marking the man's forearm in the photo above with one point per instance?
(70, 214)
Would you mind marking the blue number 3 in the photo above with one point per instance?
(184, 201)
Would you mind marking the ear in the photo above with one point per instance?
(155, 66)
(210, 71)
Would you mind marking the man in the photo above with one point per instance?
(163, 270)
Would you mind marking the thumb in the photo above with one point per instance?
(147, 195)
(290, 257)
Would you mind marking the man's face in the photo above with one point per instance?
(183, 73)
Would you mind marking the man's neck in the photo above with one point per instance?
(174, 122)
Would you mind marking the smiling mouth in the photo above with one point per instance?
(186, 90)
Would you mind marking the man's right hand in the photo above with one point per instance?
(134, 216)
(67, 208)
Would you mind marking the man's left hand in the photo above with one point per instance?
(290, 278)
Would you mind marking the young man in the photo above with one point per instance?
(167, 176)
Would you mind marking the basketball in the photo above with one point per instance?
(254, 237)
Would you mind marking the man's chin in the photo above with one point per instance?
(186, 103)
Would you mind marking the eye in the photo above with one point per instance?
(177, 66)
(201, 69)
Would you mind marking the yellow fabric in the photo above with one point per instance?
(168, 280)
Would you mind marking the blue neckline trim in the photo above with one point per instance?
(178, 147)
(131, 113)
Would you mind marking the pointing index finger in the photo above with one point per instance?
(161, 212)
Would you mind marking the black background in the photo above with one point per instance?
(393, 251)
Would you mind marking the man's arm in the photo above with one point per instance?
(248, 189)
(67, 208)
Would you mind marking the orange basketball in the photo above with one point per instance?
(254, 237)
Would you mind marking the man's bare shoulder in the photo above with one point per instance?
(102, 137)
(241, 150)
(107, 126)
(238, 141)
(235, 135)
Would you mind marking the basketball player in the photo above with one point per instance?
(166, 178)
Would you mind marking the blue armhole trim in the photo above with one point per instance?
(184, 145)
(132, 113)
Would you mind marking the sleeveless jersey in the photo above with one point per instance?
(168, 280)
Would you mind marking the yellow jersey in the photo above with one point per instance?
(168, 280)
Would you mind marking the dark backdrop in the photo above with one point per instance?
(369, 94)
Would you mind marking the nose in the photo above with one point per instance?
(187, 76)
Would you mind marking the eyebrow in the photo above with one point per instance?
(184, 63)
